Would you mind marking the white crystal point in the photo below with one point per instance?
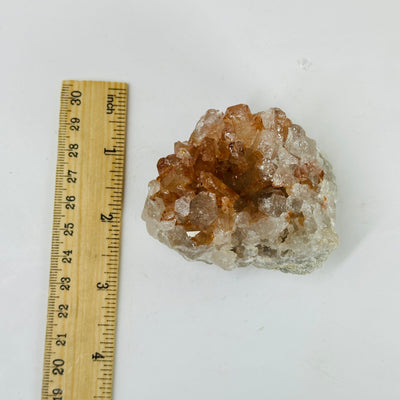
(246, 189)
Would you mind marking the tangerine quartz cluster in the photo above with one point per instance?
(246, 189)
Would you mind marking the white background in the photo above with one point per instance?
(191, 330)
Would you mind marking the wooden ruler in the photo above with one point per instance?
(80, 334)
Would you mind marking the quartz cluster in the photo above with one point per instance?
(245, 189)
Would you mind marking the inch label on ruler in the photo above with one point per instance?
(82, 305)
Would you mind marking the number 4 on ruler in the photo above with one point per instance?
(97, 356)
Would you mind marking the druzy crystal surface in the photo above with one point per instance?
(245, 189)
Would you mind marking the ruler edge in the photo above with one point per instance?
(54, 231)
(71, 81)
